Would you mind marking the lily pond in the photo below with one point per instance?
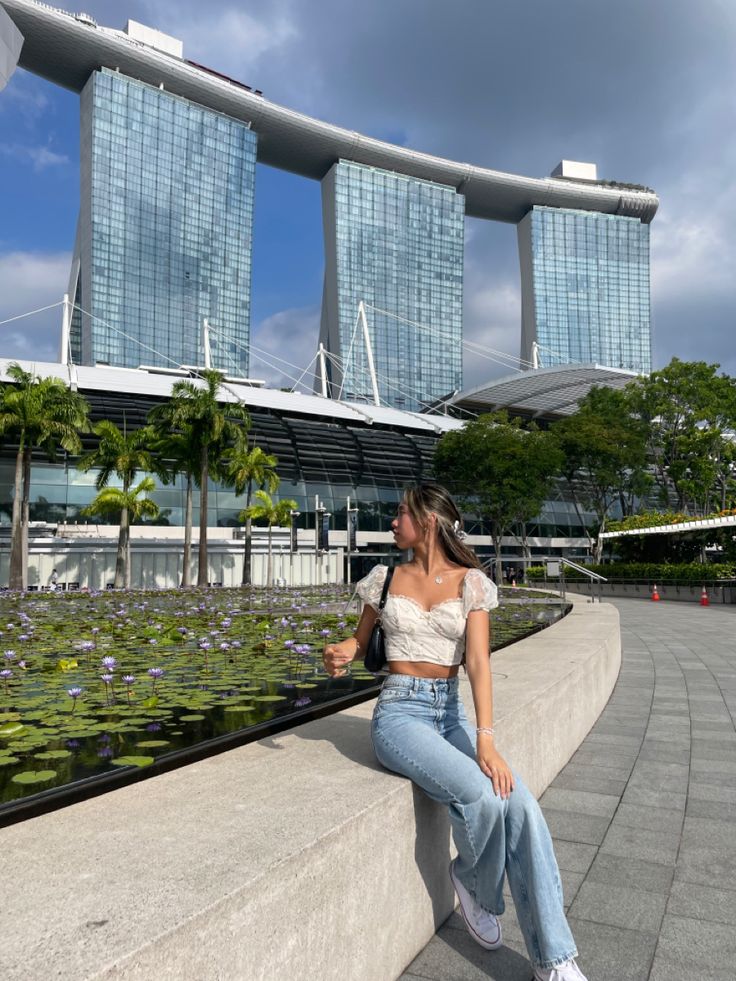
(97, 687)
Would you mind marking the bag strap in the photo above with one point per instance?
(386, 584)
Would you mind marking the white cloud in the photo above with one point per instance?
(41, 157)
(230, 40)
(283, 345)
(30, 281)
(693, 249)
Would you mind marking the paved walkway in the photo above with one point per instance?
(643, 817)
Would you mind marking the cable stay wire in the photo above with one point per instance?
(474, 346)
(390, 382)
(30, 313)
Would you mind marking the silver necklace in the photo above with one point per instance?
(438, 580)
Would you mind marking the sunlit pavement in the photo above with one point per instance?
(643, 817)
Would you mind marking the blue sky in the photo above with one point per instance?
(643, 89)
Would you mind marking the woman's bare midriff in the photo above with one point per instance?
(422, 669)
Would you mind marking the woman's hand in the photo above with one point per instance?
(337, 656)
(494, 766)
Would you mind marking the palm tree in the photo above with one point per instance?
(122, 454)
(176, 453)
(212, 430)
(245, 467)
(44, 413)
(111, 502)
(273, 514)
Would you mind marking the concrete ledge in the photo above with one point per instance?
(680, 592)
(293, 857)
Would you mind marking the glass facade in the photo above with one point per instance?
(395, 243)
(585, 289)
(166, 228)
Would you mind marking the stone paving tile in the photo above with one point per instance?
(609, 953)
(659, 775)
(454, 954)
(662, 751)
(622, 763)
(693, 950)
(568, 826)
(715, 731)
(652, 846)
(573, 856)
(641, 794)
(715, 791)
(635, 874)
(579, 801)
(649, 817)
(709, 750)
(587, 778)
(698, 902)
(619, 906)
(720, 810)
(722, 768)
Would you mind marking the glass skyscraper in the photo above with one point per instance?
(165, 230)
(585, 289)
(395, 243)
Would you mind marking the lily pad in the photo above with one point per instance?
(34, 776)
(191, 718)
(153, 743)
(11, 729)
(53, 754)
(132, 761)
(8, 760)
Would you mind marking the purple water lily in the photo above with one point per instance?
(154, 674)
(9, 655)
(74, 694)
(109, 662)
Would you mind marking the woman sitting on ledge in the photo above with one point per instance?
(435, 618)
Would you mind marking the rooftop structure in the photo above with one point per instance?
(67, 48)
(547, 393)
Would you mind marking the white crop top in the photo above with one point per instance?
(436, 635)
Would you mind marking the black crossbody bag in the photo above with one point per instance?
(375, 655)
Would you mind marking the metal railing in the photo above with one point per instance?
(595, 577)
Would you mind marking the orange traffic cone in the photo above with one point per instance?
(704, 601)
(655, 594)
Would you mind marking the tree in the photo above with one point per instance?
(112, 502)
(122, 454)
(604, 454)
(500, 470)
(212, 430)
(44, 413)
(687, 409)
(246, 466)
(273, 514)
(176, 452)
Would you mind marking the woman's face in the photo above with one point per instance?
(405, 530)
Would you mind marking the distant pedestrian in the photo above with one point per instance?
(53, 580)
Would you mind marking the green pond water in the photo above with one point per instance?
(182, 668)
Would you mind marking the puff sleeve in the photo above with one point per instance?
(370, 588)
(479, 593)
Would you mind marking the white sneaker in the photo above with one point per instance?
(483, 926)
(569, 971)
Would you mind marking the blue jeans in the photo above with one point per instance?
(420, 730)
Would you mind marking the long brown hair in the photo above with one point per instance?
(428, 498)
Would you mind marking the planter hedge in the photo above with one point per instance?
(694, 572)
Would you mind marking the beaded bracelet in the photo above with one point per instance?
(487, 729)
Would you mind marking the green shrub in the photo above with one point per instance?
(693, 572)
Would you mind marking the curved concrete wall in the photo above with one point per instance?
(293, 857)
